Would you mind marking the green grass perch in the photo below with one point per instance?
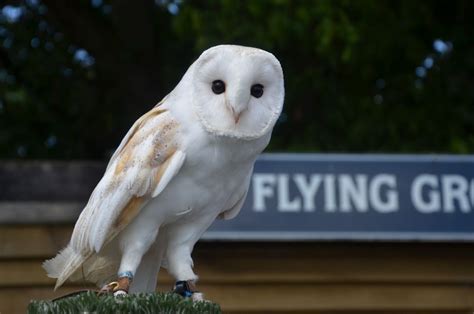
(90, 302)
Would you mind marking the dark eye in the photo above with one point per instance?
(256, 90)
(218, 87)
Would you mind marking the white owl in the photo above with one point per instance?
(183, 164)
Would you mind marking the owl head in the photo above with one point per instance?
(237, 91)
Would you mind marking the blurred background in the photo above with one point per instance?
(360, 76)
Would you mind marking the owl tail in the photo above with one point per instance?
(64, 265)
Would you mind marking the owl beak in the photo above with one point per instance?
(237, 117)
(236, 114)
(237, 103)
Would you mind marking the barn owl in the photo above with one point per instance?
(183, 164)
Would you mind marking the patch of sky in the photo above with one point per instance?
(170, 5)
(83, 58)
(442, 46)
(12, 14)
(173, 8)
(428, 62)
(420, 71)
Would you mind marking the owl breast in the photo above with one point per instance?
(212, 179)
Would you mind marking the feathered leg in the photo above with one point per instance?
(181, 240)
(180, 266)
(147, 273)
(134, 243)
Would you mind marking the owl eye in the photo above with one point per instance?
(256, 90)
(218, 87)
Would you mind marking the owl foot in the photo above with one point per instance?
(187, 289)
(117, 288)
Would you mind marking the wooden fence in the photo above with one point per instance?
(40, 200)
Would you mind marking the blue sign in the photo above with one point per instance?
(356, 197)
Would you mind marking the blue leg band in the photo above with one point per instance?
(127, 274)
(182, 288)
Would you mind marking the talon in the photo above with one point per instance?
(109, 288)
(119, 287)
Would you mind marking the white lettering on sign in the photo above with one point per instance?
(298, 192)
(430, 204)
(329, 193)
(284, 202)
(455, 188)
(353, 192)
(344, 193)
(390, 204)
(431, 194)
(263, 188)
(308, 189)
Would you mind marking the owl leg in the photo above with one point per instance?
(180, 265)
(134, 244)
(188, 289)
(181, 240)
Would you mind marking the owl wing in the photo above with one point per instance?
(133, 130)
(144, 163)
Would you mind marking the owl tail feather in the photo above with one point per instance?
(64, 265)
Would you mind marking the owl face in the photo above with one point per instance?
(237, 91)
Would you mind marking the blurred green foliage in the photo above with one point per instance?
(361, 76)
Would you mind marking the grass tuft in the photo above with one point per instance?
(89, 302)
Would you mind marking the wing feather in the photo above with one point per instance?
(144, 163)
(166, 173)
(141, 167)
(135, 127)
